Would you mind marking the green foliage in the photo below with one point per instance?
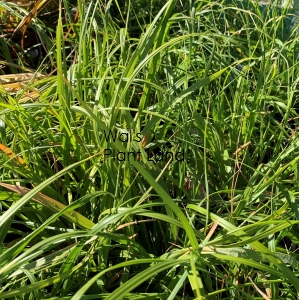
(215, 83)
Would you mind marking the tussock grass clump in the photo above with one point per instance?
(93, 207)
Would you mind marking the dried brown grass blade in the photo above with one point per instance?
(53, 205)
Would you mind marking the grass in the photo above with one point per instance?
(85, 215)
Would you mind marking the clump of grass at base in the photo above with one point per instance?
(214, 81)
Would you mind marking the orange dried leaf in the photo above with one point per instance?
(12, 155)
